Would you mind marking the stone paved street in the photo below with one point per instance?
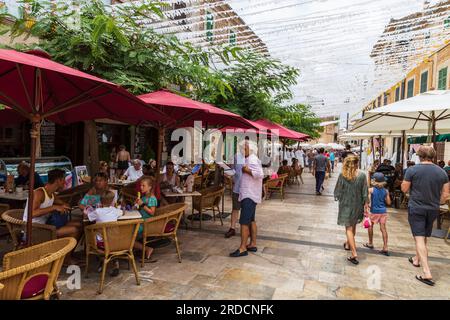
(300, 256)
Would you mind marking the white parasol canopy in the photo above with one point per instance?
(422, 113)
(336, 146)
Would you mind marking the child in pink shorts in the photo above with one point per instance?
(379, 200)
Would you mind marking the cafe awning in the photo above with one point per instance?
(283, 132)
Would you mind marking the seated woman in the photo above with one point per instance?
(169, 180)
(92, 198)
(285, 169)
(104, 168)
(24, 177)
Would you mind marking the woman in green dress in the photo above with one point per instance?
(352, 193)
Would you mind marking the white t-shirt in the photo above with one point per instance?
(108, 214)
(133, 174)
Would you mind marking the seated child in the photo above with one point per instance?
(106, 213)
(147, 206)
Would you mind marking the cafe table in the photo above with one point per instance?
(172, 194)
(127, 215)
(16, 196)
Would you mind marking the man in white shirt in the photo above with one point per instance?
(250, 192)
(134, 172)
(300, 156)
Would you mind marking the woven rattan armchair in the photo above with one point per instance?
(16, 227)
(209, 200)
(228, 182)
(118, 241)
(198, 183)
(31, 273)
(164, 224)
(3, 208)
(444, 213)
(276, 185)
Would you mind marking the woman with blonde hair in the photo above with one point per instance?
(352, 193)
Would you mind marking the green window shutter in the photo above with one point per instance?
(397, 94)
(442, 82)
(424, 82)
(410, 91)
(209, 26)
(447, 23)
(232, 37)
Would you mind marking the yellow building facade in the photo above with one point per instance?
(432, 73)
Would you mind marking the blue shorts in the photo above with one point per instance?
(248, 210)
(421, 221)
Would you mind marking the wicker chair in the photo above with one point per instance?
(3, 208)
(209, 200)
(277, 185)
(158, 227)
(16, 227)
(228, 182)
(444, 213)
(31, 273)
(118, 241)
(198, 183)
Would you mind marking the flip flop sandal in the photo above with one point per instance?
(353, 260)
(346, 248)
(429, 282)
(385, 253)
(252, 249)
(368, 246)
(410, 259)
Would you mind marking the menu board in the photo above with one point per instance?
(48, 139)
(81, 174)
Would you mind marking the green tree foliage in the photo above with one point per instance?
(300, 118)
(115, 43)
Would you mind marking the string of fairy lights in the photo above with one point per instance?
(345, 53)
(331, 46)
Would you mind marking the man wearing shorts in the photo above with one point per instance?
(239, 161)
(250, 192)
(428, 186)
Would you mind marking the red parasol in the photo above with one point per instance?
(38, 88)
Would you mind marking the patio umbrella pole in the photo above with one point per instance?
(373, 149)
(380, 147)
(360, 152)
(33, 132)
(159, 153)
(403, 148)
(433, 127)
